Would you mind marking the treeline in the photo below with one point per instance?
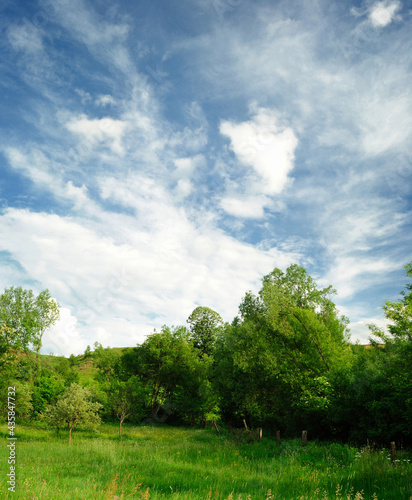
(284, 363)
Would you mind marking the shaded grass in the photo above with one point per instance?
(159, 462)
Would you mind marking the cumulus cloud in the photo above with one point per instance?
(64, 338)
(383, 13)
(162, 269)
(265, 145)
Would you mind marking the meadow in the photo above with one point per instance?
(151, 462)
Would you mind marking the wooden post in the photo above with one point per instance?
(278, 437)
(260, 434)
(215, 426)
(393, 451)
(304, 438)
(244, 421)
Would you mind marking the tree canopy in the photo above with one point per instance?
(75, 407)
(284, 363)
(205, 325)
(26, 317)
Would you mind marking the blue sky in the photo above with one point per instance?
(156, 156)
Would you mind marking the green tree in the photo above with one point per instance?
(205, 325)
(304, 317)
(392, 402)
(399, 314)
(47, 313)
(75, 407)
(24, 318)
(172, 373)
(17, 316)
(7, 354)
(24, 399)
(46, 391)
(273, 362)
(106, 360)
(126, 398)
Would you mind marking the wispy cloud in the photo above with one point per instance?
(153, 164)
(99, 132)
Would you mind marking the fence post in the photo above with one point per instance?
(215, 426)
(278, 437)
(304, 438)
(393, 451)
(260, 434)
(244, 421)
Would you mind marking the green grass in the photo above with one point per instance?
(160, 462)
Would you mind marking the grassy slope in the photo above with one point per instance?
(82, 364)
(159, 462)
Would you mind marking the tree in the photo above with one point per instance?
(7, 355)
(47, 313)
(74, 407)
(399, 313)
(273, 362)
(106, 360)
(392, 404)
(205, 325)
(24, 318)
(125, 399)
(172, 373)
(17, 314)
(304, 317)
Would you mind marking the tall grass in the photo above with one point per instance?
(159, 462)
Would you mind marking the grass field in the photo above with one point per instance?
(166, 462)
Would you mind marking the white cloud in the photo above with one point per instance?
(359, 330)
(248, 208)
(383, 13)
(105, 100)
(266, 146)
(45, 173)
(185, 169)
(64, 338)
(186, 166)
(25, 37)
(162, 269)
(183, 189)
(87, 25)
(103, 131)
(351, 274)
(386, 121)
(347, 105)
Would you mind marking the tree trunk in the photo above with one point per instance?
(70, 429)
(37, 358)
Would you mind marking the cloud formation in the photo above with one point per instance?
(152, 163)
(261, 143)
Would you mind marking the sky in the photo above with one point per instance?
(159, 156)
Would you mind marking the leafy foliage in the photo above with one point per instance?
(284, 363)
(274, 361)
(74, 407)
(205, 326)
